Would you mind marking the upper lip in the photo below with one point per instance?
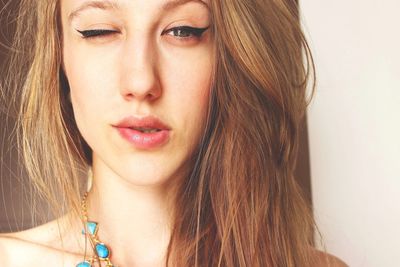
(147, 122)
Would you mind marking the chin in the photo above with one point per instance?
(150, 174)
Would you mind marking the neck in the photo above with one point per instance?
(135, 222)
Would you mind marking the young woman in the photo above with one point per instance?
(182, 116)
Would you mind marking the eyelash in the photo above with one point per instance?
(194, 32)
(96, 33)
(191, 32)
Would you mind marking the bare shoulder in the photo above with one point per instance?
(22, 248)
(41, 234)
(322, 259)
(12, 248)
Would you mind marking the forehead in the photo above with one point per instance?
(75, 7)
(119, 3)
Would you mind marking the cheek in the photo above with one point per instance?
(188, 94)
(83, 98)
(189, 82)
(86, 84)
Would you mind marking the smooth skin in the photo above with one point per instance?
(140, 63)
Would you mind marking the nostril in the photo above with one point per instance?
(141, 89)
(148, 95)
(140, 80)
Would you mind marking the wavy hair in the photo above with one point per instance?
(240, 205)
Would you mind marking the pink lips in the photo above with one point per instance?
(135, 131)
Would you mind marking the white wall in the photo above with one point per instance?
(354, 128)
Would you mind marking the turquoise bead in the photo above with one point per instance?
(102, 250)
(92, 227)
(83, 264)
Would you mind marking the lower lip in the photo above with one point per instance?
(144, 140)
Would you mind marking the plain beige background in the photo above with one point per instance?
(354, 127)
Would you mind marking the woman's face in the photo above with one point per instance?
(140, 75)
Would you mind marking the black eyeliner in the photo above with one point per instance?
(197, 32)
(96, 32)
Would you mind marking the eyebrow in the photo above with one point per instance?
(174, 3)
(103, 5)
(113, 5)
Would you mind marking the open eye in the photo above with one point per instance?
(184, 32)
(96, 33)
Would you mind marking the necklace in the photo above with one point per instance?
(101, 252)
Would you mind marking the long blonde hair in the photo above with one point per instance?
(240, 205)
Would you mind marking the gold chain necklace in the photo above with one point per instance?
(101, 252)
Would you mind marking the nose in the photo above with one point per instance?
(139, 75)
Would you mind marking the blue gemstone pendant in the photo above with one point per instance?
(84, 264)
(92, 227)
(102, 250)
